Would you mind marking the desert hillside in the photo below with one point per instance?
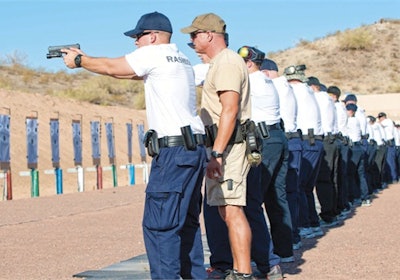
(364, 61)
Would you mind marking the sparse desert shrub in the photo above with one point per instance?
(357, 39)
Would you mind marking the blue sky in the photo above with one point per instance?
(27, 28)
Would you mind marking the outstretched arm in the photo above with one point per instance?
(114, 67)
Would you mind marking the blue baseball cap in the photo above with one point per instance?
(323, 87)
(151, 21)
(313, 81)
(269, 64)
(350, 97)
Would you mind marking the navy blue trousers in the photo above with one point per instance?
(342, 179)
(358, 187)
(325, 186)
(390, 165)
(171, 226)
(293, 184)
(310, 165)
(274, 170)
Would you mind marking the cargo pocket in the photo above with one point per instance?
(161, 210)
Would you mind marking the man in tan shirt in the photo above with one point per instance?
(225, 103)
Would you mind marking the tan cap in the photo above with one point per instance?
(206, 22)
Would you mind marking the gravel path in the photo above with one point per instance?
(56, 237)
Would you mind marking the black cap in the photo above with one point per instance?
(269, 64)
(381, 114)
(350, 97)
(371, 118)
(313, 81)
(334, 90)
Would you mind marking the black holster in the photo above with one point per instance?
(212, 130)
(264, 131)
(211, 134)
(311, 136)
(188, 138)
(151, 143)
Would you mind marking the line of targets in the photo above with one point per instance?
(32, 153)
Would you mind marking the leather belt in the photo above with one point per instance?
(174, 141)
(291, 135)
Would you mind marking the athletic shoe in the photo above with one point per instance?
(325, 224)
(297, 246)
(234, 275)
(342, 216)
(317, 231)
(306, 233)
(366, 203)
(346, 210)
(275, 273)
(287, 259)
(215, 273)
(357, 202)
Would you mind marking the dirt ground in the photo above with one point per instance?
(56, 237)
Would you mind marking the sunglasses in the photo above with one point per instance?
(140, 35)
(194, 34)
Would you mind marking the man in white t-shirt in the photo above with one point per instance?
(390, 168)
(288, 112)
(326, 189)
(309, 122)
(175, 141)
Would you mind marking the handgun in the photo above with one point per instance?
(55, 51)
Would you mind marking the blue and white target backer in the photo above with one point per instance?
(55, 143)
(32, 142)
(77, 142)
(4, 141)
(95, 131)
(129, 134)
(110, 140)
(140, 128)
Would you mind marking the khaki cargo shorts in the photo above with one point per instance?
(230, 189)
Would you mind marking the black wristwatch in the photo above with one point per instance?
(215, 154)
(78, 60)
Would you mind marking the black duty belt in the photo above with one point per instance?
(291, 135)
(316, 137)
(173, 141)
(276, 126)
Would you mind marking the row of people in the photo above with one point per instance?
(233, 92)
(329, 158)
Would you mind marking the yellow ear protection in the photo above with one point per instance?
(251, 53)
